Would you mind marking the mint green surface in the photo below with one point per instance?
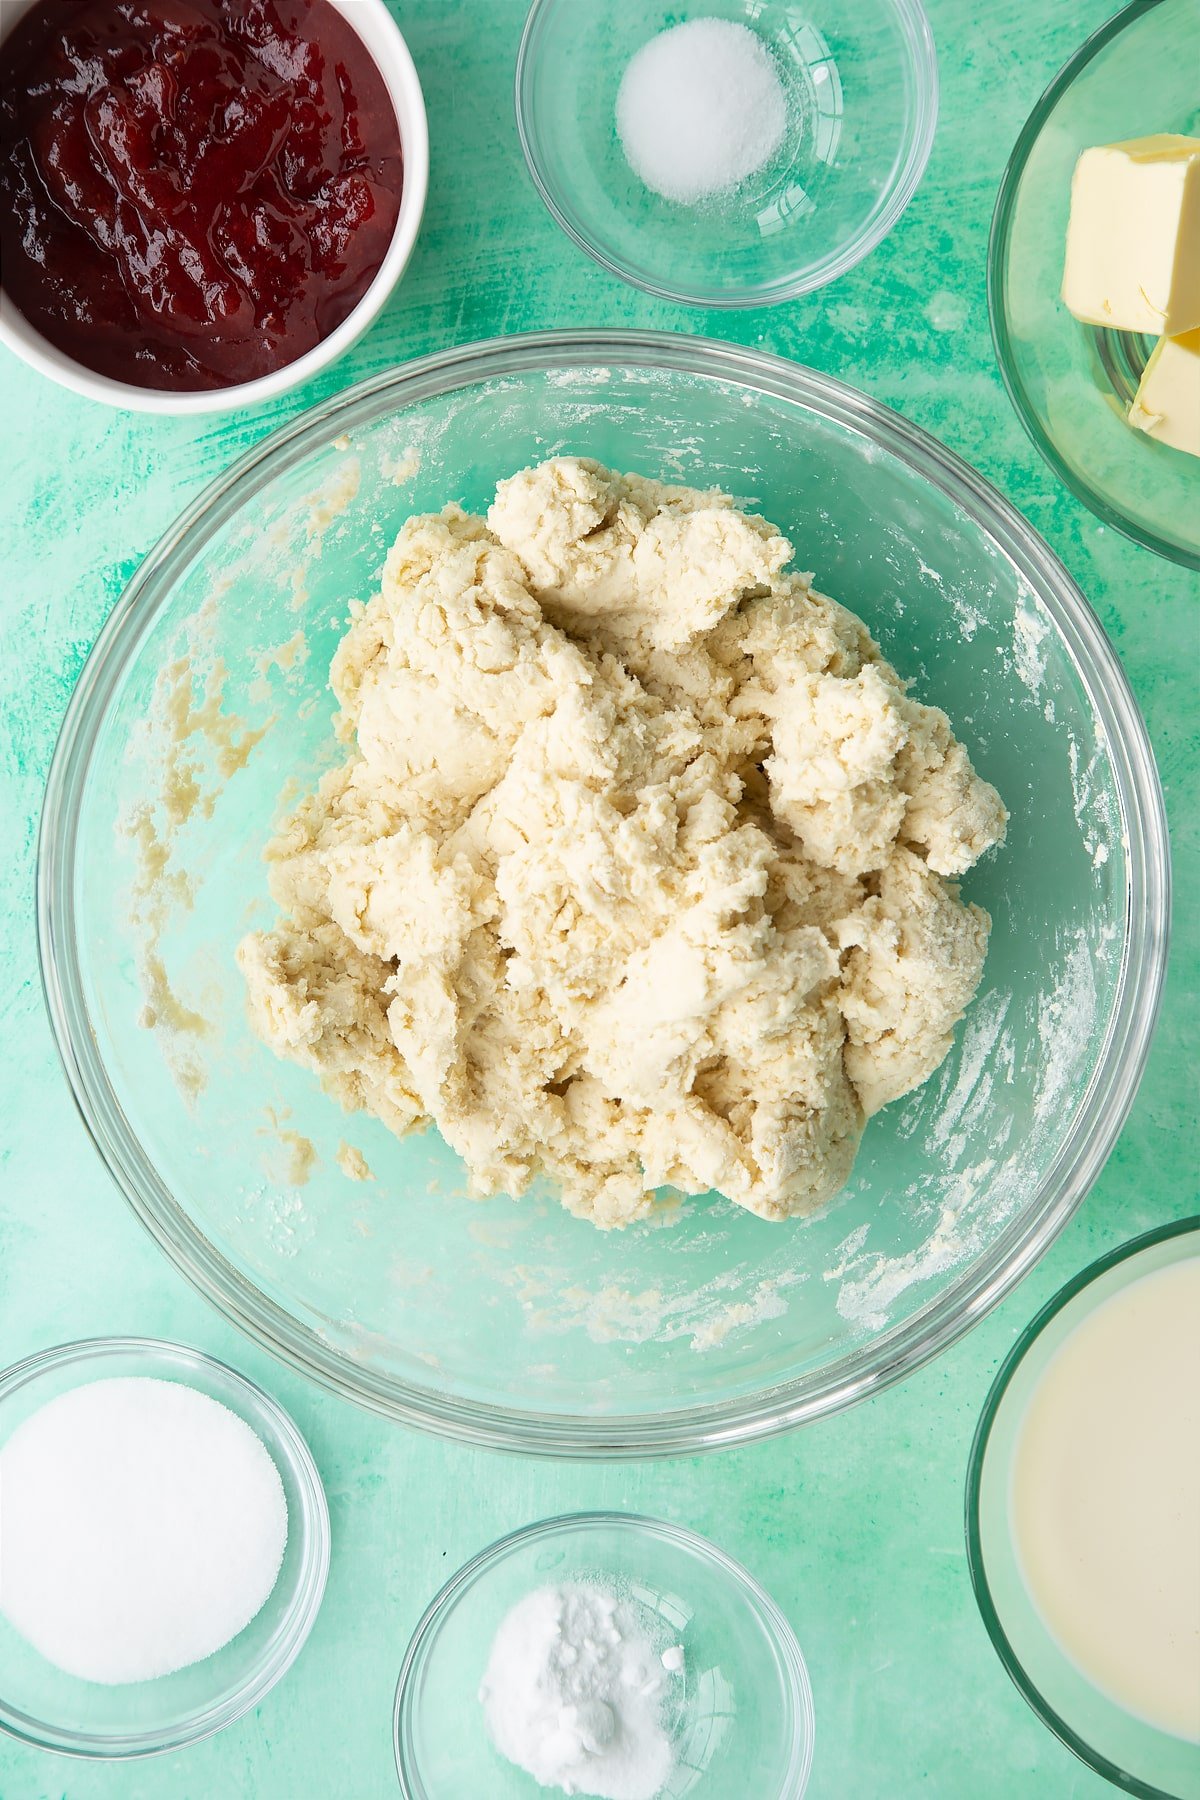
(854, 1525)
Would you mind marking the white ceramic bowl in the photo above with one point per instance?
(381, 35)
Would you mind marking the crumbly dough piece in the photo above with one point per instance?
(640, 869)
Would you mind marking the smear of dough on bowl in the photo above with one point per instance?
(641, 870)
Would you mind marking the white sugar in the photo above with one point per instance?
(144, 1525)
(700, 108)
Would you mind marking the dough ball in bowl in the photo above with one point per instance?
(635, 874)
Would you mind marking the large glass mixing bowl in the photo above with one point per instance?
(511, 1323)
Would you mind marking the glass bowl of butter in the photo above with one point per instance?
(360, 1256)
(1094, 276)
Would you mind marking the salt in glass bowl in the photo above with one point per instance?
(512, 1323)
(742, 1718)
(1126, 1750)
(41, 1704)
(1072, 383)
(381, 35)
(861, 88)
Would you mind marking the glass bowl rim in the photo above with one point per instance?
(870, 1366)
(998, 241)
(976, 1561)
(918, 35)
(287, 1445)
(767, 1610)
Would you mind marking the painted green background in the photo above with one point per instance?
(854, 1525)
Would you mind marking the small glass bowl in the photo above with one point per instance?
(1072, 383)
(861, 86)
(1126, 1750)
(51, 1710)
(744, 1724)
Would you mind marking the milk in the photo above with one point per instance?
(1106, 1497)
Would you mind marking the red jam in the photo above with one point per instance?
(193, 193)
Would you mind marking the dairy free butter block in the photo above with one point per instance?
(1133, 241)
(1167, 406)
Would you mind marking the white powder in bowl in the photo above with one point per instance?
(700, 108)
(574, 1694)
(142, 1526)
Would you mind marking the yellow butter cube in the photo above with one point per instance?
(1133, 241)
(1167, 406)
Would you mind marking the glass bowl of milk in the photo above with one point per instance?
(1083, 1514)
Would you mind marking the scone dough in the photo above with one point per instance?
(640, 870)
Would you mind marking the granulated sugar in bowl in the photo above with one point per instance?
(727, 152)
(164, 1543)
(144, 1527)
(700, 108)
